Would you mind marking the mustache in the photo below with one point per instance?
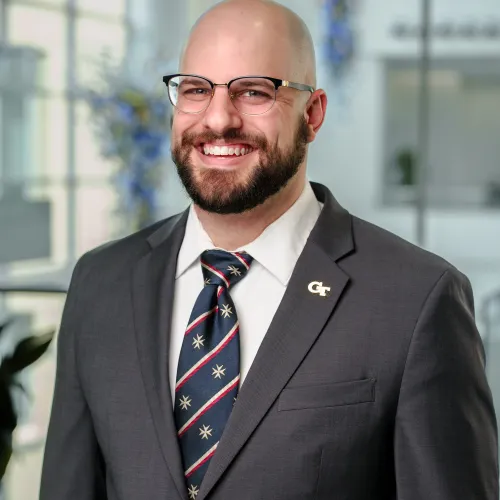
(189, 138)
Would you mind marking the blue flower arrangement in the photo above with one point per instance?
(339, 42)
(133, 127)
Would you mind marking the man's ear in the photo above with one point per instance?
(315, 112)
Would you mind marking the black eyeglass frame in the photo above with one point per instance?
(276, 81)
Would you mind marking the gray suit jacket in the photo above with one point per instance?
(375, 391)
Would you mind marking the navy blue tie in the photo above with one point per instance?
(208, 372)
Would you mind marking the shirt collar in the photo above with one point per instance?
(277, 248)
(195, 241)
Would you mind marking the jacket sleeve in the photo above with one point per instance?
(445, 432)
(72, 465)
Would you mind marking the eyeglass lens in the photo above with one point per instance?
(251, 96)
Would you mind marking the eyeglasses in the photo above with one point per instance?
(250, 95)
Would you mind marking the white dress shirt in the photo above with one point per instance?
(257, 296)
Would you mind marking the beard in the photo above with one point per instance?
(223, 192)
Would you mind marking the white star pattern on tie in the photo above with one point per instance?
(198, 341)
(185, 402)
(205, 431)
(219, 371)
(226, 311)
(234, 270)
(193, 491)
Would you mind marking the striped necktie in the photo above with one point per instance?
(208, 372)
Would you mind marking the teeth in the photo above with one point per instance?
(226, 151)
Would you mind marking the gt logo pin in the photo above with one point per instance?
(317, 287)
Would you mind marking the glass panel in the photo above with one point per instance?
(45, 142)
(45, 30)
(55, 193)
(95, 38)
(90, 163)
(18, 115)
(42, 3)
(465, 110)
(36, 212)
(95, 194)
(95, 206)
(54, 125)
(109, 7)
(2, 19)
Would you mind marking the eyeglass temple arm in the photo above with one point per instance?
(298, 86)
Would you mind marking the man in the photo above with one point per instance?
(265, 344)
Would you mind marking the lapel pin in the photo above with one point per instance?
(317, 288)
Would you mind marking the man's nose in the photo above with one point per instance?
(221, 115)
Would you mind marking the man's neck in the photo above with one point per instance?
(236, 230)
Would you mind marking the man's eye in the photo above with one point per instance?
(196, 91)
(253, 93)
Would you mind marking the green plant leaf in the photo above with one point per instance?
(28, 351)
(5, 454)
(8, 417)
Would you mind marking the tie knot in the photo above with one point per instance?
(223, 268)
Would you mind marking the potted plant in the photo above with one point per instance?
(26, 352)
(406, 163)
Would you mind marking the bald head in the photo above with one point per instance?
(258, 36)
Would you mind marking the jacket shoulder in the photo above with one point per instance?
(385, 250)
(121, 253)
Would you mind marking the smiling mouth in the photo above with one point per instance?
(227, 150)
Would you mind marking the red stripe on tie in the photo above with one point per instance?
(201, 319)
(216, 272)
(207, 359)
(213, 403)
(208, 457)
(243, 261)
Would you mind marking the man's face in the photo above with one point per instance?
(272, 146)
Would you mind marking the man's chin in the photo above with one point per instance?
(221, 181)
(218, 191)
(219, 203)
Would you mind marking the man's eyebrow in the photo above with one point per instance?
(192, 80)
(254, 82)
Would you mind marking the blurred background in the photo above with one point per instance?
(411, 143)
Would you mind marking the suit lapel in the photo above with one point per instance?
(153, 293)
(294, 329)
